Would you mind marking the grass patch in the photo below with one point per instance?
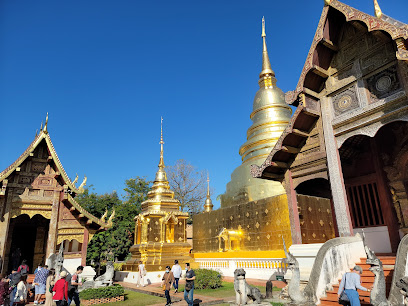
(226, 290)
(138, 299)
(277, 304)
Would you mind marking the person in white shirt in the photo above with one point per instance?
(142, 274)
(21, 293)
(176, 269)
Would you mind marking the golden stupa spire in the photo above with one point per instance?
(161, 163)
(377, 9)
(160, 197)
(208, 206)
(266, 64)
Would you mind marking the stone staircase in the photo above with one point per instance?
(367, 281)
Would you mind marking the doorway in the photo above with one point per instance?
(28, 241)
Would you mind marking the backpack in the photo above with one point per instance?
(15, 278)
(23, 269)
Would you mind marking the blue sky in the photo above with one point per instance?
(107, 70)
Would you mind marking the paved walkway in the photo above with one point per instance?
(177, 299)
(256, 282)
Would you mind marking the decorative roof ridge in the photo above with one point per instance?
(87, 214)
(33, 145)
(257, 171)
(6, 172)
(58, 163)
(373, 23)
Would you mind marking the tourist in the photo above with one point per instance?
(4, 288)
(48, 287)
(141, 274)
(176, 269)
(40, 281)
(21, 293)
(75, 282)
(14, 278)
(350, 282)
(61, 290)
(189, 289)
(167, 279)
(23, 268)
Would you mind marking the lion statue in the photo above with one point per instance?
(243, 291)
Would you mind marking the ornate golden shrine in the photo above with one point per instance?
(160, 229)
(37, 199)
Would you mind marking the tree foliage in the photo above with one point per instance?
(116, 241)
(189, 186)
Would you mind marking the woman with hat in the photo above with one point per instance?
(61, 290)
(350, 282)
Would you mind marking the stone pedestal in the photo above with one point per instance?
(156, 256)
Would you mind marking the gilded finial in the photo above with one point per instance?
(327, 2)
(377, 9)
(41, 127)
(46, 123)
(161, 163)
(75, 180)
(266, 64)
(208, 205)
(36, 132)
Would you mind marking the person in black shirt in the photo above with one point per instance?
(189, 289)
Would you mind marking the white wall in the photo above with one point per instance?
(377, 238)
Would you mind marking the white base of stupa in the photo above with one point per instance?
(132, 277)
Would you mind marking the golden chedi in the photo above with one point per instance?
(160, 230)
(270, 116)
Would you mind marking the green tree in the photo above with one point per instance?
(115, 242)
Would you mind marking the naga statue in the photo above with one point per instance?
(378, 294)
(60, 259)
(104, 280)
(294, 292)
(403, 286)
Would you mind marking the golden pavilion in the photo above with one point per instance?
(160, 229)
(270, 116)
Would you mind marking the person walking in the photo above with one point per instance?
(48, 287)
(176, 269)
(75, 282)
(189, 289)
(350, 282)
(168, 279)
(23, 268)
(61, 290)
(40, 280)
(21, 294)
(141, 275)
(14, 279)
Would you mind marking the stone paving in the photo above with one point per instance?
(177, 299)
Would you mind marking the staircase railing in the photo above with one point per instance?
(400, 270)
(334, 258)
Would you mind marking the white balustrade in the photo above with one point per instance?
(254, 267)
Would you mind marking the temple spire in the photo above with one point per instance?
(266, 64)
(377, 9)
(46, 124)
(161, 163)
(208, 206)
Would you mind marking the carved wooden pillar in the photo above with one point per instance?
(4, 228)
(293, 209)
(84, 247)
(53, 230)
(340, 202)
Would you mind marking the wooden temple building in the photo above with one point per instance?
(345, 150)
(38, 210)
